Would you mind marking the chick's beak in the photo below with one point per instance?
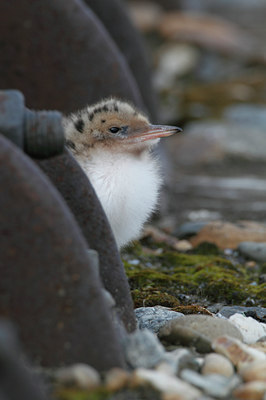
(153, 132)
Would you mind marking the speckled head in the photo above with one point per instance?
(113, 123)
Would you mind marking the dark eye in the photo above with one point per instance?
(114, 129)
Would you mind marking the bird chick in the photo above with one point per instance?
(112, 142)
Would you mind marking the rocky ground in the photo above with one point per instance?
(198, 275)
(201, 312)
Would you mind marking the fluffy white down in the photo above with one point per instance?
(127, 187)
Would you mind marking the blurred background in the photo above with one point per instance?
(208, 61)
(199, 64)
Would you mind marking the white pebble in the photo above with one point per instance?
(217, 364)
(251, 329)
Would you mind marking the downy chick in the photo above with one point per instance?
(113, 143)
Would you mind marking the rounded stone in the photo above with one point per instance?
(217, 364)
(116, 378)
(81, 375)
(236, 351)
(253, 250)
(153, 318)
(250, 329)
(177, 334)
(250, 391)
(210, 327)
(143, 349)
(255, 371)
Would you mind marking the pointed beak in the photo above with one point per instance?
(153, 132)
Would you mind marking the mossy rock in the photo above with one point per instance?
(153, 297)
(209, 278)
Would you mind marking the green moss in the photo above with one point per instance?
(209, 278)
(77, 394)
(206, 248)
(142, 392)
(152, 297)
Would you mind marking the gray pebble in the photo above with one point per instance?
(198, 330)
(183, 335)
(255, 312)
(213, 385)
(143, 349)
(153, 318)
(189, 229)
(175, 361)
(254, 250)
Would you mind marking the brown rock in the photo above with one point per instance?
(250, 391)
(228, 235)
(255, 371)
(239, 353)
(116, 378)
(206, 31)
(158, 236)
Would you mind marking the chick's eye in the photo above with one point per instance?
(114, 129)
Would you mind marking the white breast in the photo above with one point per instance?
(127, 186)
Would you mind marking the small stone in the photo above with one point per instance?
(116, 378)
(250, 391)
(237, 352)
(145, 15)
(228, 235)
(251, 329)
(80, 375)
(153, 318)
(255, 251)
(255, 371)
(258, 313)
(189, 229)
(217, 364)
(214, 384)
(166, 384)
(176, 360)
(159, 236)
(174, 60)
(143, 349)
(183, 245)
(209, 327)
(177, 334)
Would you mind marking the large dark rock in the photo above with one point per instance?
(60, 56)
(17, 381)
(74, 186)
(48, 284)
(114, 16)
